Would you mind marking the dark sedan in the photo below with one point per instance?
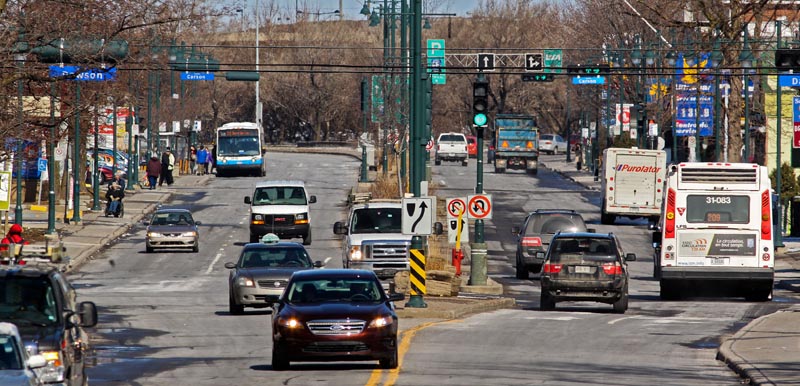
(335, 315)
(172, 228)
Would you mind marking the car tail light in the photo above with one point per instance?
(551, 268)
(766, 224)
(531, 242)
(669, 223)
(612, 268)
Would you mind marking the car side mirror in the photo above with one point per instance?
(145, 222)
(312, 199)
(630, 257)
(656, 237)
(438, 228)
(396, 297)
(198, 223)
(591, 230)
(318, 264)
(230, 265)
(339, 228)
(515, 231)
(247, 200)
(36, 361)
(87, 313)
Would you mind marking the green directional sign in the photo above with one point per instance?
(553, 60)
(436, 61)
(376, 94)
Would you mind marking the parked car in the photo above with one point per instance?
(552, 144)
(534, 236)
(16, 366)
(472, 146)
(260, 275)
(172, 228)
(335, 315)
(585, 267)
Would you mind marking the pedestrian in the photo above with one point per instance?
(14, 236)
(167, 166)
(153, 171)
(202, 159)
(192, 159)
(212, 157)
(114, 196)
(119, 180)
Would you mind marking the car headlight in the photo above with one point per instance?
(244, 281)
(154, 234)
(189, 234)
(301, 218)
(54, 370)
(382, 321)
(290, 323)
(355, 252)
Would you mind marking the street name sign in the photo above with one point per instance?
(486, 62)
(417, 216)
(87, 74)
(589, 80)
(534, 62)
(789, 80)
(197, 76)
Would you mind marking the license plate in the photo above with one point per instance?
(719, 261)
(386, 272)
(583, 269)
(452, 154)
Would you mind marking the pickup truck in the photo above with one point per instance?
(374, 239)
(452, 147)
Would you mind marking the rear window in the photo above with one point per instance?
(470, 140)
(552, 223)
(547, 137)
(568, 249)
(451, 138)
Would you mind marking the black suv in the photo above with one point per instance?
(537, 230)
(41, 303)
(585, 267)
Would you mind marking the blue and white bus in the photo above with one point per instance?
(240, 149)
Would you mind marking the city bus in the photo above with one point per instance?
(240, 149)
(715, 231)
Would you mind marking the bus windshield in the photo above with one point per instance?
(717, 209)
(238, 146)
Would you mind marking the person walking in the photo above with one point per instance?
(202, 158)
(167, 165)
(212, 156)
(153, 171)
(192, 159)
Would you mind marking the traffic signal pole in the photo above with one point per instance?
(480, 107)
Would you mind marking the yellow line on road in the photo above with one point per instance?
(405, 344)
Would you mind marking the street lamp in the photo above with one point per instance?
(716, 61)
(746, 62)
(20, 58)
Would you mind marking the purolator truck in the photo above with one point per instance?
(633, 183)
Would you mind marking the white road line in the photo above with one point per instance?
(211, 266)
(621, 319)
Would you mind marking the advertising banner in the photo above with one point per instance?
(694, 96)
(710, 244)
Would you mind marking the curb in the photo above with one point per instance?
(458, 311)
(738, 364)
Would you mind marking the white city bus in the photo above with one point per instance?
(716, 231)
(240, 149)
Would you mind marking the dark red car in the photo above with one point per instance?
(334, 315)
(472, 146)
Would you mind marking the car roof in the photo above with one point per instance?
(173, 210)
(554, 211)
(333, 274)
(8, 329)
(265, 184)
(282, 244)
(587, 235)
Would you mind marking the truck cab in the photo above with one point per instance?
(280, 207)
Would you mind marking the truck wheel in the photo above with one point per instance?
(464, 162)
(307, 238)
(437, 161)
(605, 218)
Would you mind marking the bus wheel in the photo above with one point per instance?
(669, 291)
(760, 294)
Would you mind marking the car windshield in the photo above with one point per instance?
(552, 223)
(275, 257)
(9, 353)
(377, 220)
(280, 195)
(27, 300)
(577, 250)
(357, 289)
(172, 218)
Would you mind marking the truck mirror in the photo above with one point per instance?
(246, 199)
(437, 228)
(312, 199)
(87, 313)
(339, 228)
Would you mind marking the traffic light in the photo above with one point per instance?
(588, 69)
(537, 77)
(787, 59)
(480, 101)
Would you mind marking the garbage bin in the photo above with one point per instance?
(795, 224)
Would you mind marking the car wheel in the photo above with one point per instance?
(279, 360)
(555, 151)
(148, 249)
(390, 363)
(307, 238)
(253, 238)
(464, 162)
(547, 303)
(233, 308)
(437, 161)
(522, 271)
(621, 305)
(196, 248)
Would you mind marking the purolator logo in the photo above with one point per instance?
(696, 245)
(637, 169)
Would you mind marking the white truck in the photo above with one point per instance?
(452, 147)
(374, 239)
(633, 183)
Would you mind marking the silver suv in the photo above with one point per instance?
(536, 232)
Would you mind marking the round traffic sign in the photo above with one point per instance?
(429, 145)
(455, 207)
(479, 206)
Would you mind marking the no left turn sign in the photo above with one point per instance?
(479, 206)
(456, 206)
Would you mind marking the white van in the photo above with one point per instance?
(280, 207)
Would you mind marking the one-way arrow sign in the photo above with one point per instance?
(486, 62)
(534, 62)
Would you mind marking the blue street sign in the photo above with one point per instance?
(88, 74)
(789, 80)
(197, 76)
(589, 80)
(686, 116)
(42, 165)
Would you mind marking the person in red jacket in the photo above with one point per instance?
(14, 236)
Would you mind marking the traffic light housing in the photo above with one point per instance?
(480, 102)
(537, 77)
(588, 69)
(787, 59)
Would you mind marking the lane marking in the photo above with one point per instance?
(621, 319)
(211, 266)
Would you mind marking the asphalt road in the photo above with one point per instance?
(164, 319)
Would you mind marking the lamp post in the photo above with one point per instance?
(638, 62)
(671, 58)
(20, 58)
(716, 61)
(746, 61)
(51, 165)
(96, 164)
(76, 154)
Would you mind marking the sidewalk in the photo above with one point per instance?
(767, 350)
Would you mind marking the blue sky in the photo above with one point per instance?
(353, 7)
